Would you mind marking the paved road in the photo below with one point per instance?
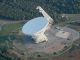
(11, 22)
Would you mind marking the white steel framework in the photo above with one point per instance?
(40, 36)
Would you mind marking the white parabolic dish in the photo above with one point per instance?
(35, 25)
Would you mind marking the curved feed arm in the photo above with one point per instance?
(45, 14)
(40, 36)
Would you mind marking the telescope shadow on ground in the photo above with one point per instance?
(29, 39)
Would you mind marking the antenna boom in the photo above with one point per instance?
(45, 14)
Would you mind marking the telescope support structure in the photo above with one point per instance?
(40, 36)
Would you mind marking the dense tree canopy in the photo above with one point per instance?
(25, 9)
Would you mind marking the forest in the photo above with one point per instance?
(26, 9)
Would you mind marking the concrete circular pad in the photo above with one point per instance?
(54, 42)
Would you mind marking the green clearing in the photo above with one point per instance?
(6, 29)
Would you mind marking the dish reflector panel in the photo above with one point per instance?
(34, 25)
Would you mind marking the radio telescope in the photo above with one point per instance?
(37, 26)
(42, 29)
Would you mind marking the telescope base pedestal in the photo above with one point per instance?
(40, 37)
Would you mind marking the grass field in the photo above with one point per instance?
(6, 29)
